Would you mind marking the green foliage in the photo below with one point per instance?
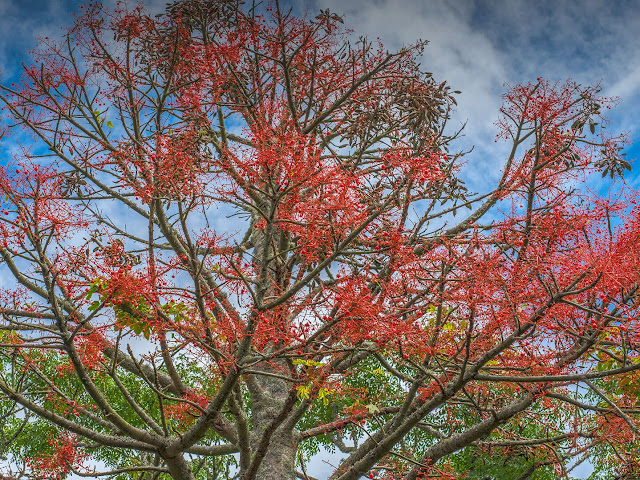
(499, 465)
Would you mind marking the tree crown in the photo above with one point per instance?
(233, 231)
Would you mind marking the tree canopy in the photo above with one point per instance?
(238, 238)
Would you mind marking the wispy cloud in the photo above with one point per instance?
(22, 23)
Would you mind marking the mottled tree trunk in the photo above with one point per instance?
(179, 469)
(271, 406)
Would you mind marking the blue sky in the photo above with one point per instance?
(476, 45)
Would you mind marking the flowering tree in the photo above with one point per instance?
(237, 239)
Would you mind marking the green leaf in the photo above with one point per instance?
(303, 392)
(373, 409)
(109, 124)
(308, 363)
(324, 394)
(91, 291)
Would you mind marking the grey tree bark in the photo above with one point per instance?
(178, 467)
(273, 447)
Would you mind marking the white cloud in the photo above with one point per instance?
(456, 52)
(463, 56)
(22, 24)
(628, 84)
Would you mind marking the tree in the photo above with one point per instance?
(237, 239)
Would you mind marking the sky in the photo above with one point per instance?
(477, 46)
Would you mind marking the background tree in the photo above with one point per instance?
(234, 232)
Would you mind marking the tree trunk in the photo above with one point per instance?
(179, 469)
(271, 406)
(279, 461)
